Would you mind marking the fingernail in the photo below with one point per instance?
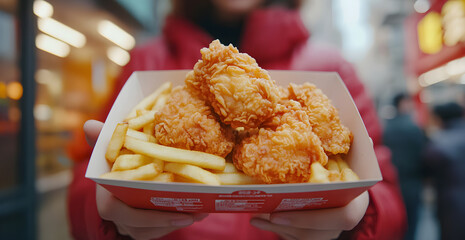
(182, 222)
(281, 221)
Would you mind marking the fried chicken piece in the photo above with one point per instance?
(324, 118)
(282, 150)
(240, 92)
(283, 94)
(187, 122)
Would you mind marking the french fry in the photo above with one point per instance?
(140, 135)
(116, 142)
(149, 101)
(160, 102)
(142, 173)
(181, 179)
(170, 154)
(342, 164)
(332, 165)
(236, 178)
(142, 120)
(228, 168)
(140, 112)
(124, 151)
(348, 175)
(159, 164)
(164, 177)
(334, 176)
(318, 174)
(192, 172)
(149, 129)
(334, 172)
(130, 161)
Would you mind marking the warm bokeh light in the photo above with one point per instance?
(43, 9)
(455, 67)
(421, 6)
(51, 80)
(42, 112)
(115, 34)
(61, 31)
(452, 69)
(118, 55)
(2, 90)
(430, 33)
(14, 90)
(52, 45)
(433, 76)
(42, 76)
(453, 18)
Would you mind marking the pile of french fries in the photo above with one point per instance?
(335, 170)
(133, 154)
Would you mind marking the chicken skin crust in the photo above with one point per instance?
(240, 92)
(187, 122)
(282, 150)
(324, 118)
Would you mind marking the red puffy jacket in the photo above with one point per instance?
(277, 39)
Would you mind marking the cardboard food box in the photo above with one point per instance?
(263, 198)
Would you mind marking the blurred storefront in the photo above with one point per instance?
(435, 66)
(435, 52)
(81, 47)
(78, 59)
(78, 50)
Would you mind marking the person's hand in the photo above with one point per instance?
(314, 224)
(141, 223)
(92, 129)
(136, 223)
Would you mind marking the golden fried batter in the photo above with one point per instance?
(324, 118)
(283, 149)
(187, 122)
(240, 92)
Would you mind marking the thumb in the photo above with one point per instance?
(92, 129)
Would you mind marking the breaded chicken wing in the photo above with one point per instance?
(324, 118)
(282, 150)
(240, 92)
(187, 122)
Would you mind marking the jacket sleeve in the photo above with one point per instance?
(84, 220)
(385, 217)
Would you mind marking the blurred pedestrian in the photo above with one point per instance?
(407, 142)
(445, 159)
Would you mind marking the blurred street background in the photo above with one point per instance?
(411, 46)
